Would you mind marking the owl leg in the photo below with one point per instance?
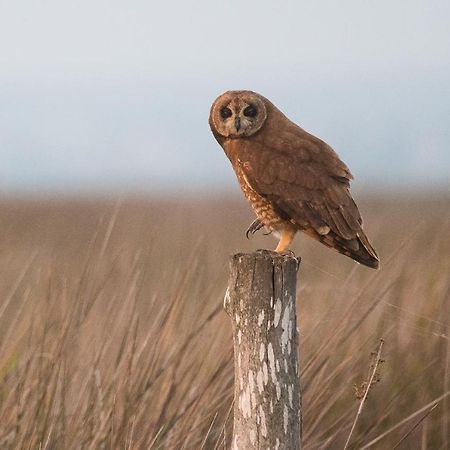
(286, 238)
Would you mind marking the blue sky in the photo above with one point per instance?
(114, 96)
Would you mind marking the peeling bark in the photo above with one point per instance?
(261, 302)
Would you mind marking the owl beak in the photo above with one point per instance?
(237, 123)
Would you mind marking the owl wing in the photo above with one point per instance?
(307, 183)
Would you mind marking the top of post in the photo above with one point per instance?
(268, 256)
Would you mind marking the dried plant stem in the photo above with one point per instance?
(209, 431)
(366, 393)
(223, 430)
(415, 426)
(405, 420)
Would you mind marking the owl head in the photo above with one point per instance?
(238, 114)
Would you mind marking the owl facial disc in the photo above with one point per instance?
(238, 114)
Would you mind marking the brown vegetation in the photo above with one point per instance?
(112, 333)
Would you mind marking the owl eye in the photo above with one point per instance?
(250, 111)
(225, 112)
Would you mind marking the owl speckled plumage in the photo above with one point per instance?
(293, 180)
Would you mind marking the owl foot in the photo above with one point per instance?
(254, 227)
(286, 238)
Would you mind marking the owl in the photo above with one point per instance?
(293, 180)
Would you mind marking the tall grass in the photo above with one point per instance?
(112, 333)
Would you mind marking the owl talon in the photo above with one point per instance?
(254, 227)
(287, 253)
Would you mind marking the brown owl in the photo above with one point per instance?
(293, 180)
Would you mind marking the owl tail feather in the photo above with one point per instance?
(359, 249)
(371, 252)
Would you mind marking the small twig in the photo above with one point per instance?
(415, 426)
(366, 393)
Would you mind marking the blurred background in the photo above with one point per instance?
(102, 96)
(118, 213)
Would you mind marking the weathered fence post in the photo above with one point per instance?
(261, 301)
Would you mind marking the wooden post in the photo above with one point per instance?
(261, 301)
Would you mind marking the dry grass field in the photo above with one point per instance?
(112, 333)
